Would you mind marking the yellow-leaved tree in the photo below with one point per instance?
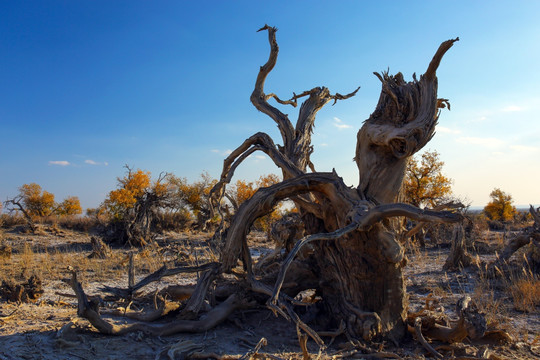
(500, 207)
(70, 206)
(244, 190)
(131, 187)
(37, 202)
(425, 185)
(193, 198)
(133, 205)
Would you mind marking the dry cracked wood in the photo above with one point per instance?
(90, 311)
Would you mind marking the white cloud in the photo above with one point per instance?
(512, 108)
(323, 144)
(445, 130)
(340, 125)
(222, 152)
(92, 162)
(487, 142)
(524, 148)
(59, 163)
(261, 157)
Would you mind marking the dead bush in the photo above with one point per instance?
(10, 220)
(28, 291)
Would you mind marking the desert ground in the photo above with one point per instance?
(48, 327)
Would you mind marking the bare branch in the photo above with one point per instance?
(363, 220)
(434, 64)
(422, 340)
(338, 96)
(263, 201)
(18, 203)
(258, 97)
(259, 141)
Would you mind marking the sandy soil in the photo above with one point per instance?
(50, 328)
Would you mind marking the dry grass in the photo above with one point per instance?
(526, 292)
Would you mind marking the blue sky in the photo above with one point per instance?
(89, 86)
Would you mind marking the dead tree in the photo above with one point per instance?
(530, 235)
(17, 204)
(357, 256)
(357, 259)
(459, 257)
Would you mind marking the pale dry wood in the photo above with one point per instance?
(162, 272)
(90, 312)
(147, 316)
(530, 235)
(459, 257)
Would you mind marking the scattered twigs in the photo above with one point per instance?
(471, 324)
(255, 351)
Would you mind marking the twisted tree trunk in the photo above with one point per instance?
(357, 258)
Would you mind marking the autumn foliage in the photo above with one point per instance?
(500, 207)
(425, 185)
(130, 188)
(244, 190)
(193, 198)
(36, 201)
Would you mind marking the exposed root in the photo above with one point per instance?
(162, 272)
(90, 311)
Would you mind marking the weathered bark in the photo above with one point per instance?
(100, 250)
(356, 274)
(459, 257)
(360, 267)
